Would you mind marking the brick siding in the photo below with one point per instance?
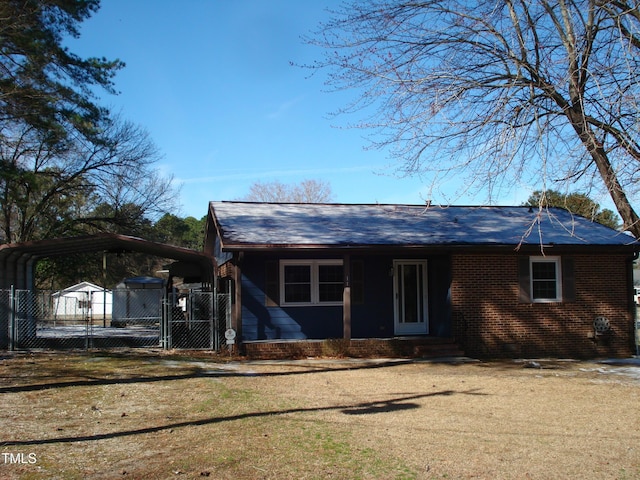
(359, 348)
(490, 321)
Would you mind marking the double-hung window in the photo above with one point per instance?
(311, 282)
(545, 278)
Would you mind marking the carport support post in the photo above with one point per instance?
(237, 308)
(12, 318)
(104, 289)
(346, 298)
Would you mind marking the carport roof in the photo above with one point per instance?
(17, 259)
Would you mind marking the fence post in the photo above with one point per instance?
(213, 320)
(12, 317)
(163, 320)
(88, 343)
(167, 329)
(163, 324)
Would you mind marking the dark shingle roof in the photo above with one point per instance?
(289, 224)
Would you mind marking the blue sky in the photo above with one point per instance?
(212, 83)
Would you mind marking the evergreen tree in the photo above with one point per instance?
(42, 84)
(577, 203)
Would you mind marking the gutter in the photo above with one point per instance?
(636, 321)
(470, 247)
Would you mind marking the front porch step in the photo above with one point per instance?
(426, 347)
(438, 350)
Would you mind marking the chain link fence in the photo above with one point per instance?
(116, 319)
(637, 330)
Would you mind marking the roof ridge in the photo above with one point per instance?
(417, 205)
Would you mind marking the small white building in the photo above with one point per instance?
(138, 301)
(82, 300)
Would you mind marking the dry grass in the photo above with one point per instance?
(150, 415)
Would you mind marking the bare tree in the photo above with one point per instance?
(497, 91)
(307, 191)
(53, 190)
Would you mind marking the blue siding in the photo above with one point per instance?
(371, 319)
(260, 322)
(374, 317)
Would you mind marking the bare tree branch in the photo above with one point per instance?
(50, 190)
(307, 191)
(498, 92)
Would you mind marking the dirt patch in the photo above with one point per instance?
(151, 415)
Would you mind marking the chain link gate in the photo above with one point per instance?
(135, 318)
(195, 321)
(223, 318)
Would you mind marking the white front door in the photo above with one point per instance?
(410, 297)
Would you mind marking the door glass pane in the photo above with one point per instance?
(411, 294)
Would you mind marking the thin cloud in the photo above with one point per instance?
(260, 174)
(283, 108)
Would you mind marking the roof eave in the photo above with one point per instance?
(244, 247)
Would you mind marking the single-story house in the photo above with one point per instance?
(493, 281)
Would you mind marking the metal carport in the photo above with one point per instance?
(18, 260)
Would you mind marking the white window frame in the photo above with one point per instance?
(555, 260)
(315, 281)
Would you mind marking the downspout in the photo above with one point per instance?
(633, 304)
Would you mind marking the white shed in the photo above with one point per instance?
(138, 301)
(81, 301)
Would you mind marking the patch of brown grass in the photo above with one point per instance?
(151, 415)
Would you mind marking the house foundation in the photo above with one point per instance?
(399, 347)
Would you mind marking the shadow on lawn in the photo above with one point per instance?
(392, 405)
(196, 373)
(108, 381)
